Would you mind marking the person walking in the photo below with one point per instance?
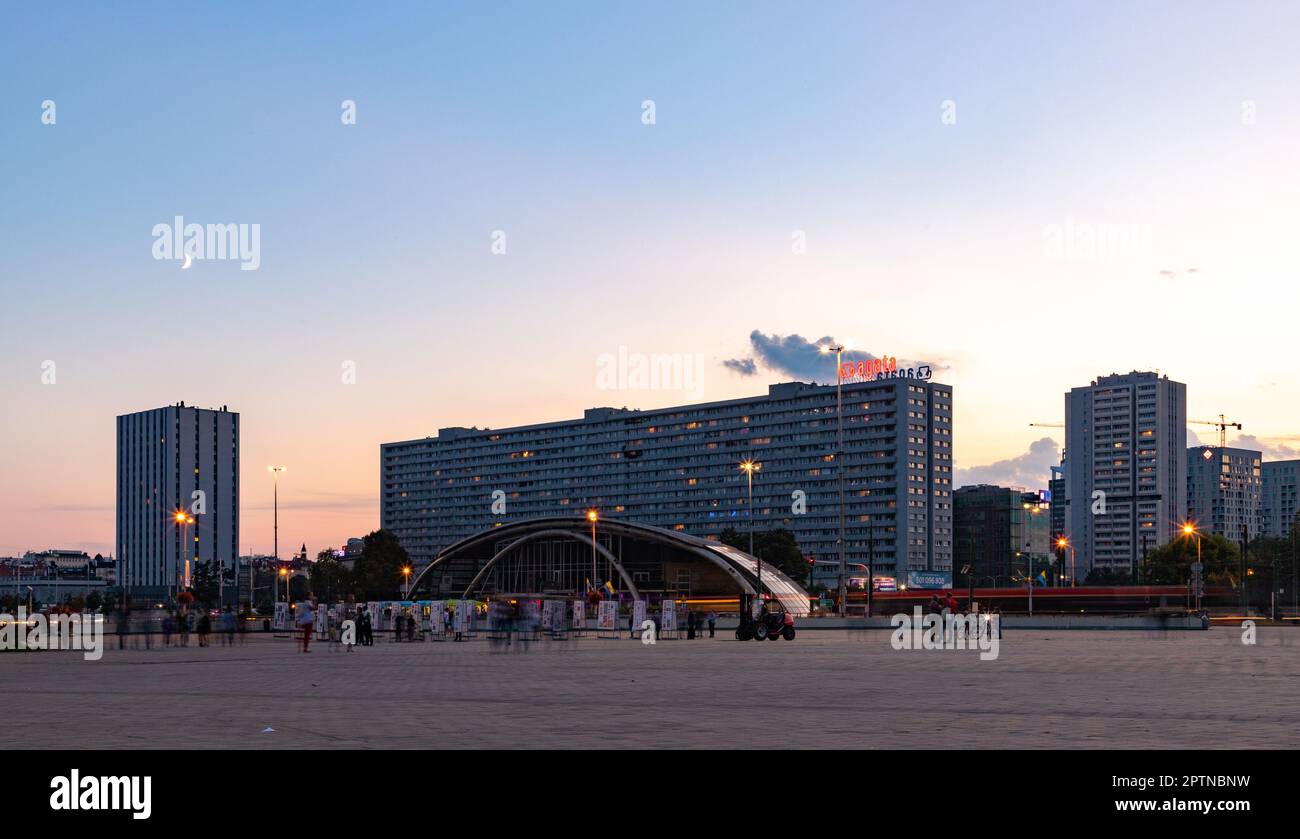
(713, 621)
(306, 620)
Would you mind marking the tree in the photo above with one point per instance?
(378, 573)
(206, 582)
(1171, 563)
(777, 548)
(330, 578)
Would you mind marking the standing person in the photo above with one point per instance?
(952, 603)
(123, 625)
(183, 626)
(713, 620)
(168, 624)
(690, 626)
(307, 620)
(367, 629)
(205, 628)
(228, 626)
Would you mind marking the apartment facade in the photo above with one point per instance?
(169, 460)
(1126, 467)
(1224, 490)
(677, 468)
(1279, 497)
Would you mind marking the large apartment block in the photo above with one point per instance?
(677, 468)
(1279, 497)
(168, 460)
(1224, 487)
(1126, 467)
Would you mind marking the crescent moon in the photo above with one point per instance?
(189, 260)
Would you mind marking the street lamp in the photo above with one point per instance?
(284, 572)
(406, 572)
(1189, 530)
(838, 349)
(1064, 543)
(185, 520)
(749, 467)
(593, 516)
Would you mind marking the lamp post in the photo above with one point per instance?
(283, 572)
(1189, 530)
(406, 572)
(838, 349)
(185, 520)
(749, 467)
(593, 516)
(1064, 543)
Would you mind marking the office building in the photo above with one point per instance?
(677, 468)
(1224, 488)
(1002, 533)
(170, 460)
(1126, 468)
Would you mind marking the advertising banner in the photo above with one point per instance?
(553, 615)
(607, 617)
(579, 614)
(281, 617)
(461, 620)
(438, 618)
(638, 614)
(322, 622)
(929, 579)
(376, 611)
(668, 622)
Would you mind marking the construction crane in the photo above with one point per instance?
(1222, 425)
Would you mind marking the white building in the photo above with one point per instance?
(1126, 467)
(170, 460)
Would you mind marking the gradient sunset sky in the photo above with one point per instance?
(926, 238)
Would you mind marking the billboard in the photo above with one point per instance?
(929, 579)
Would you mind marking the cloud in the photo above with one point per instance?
(743, 366)
(798, 358)
(1272, 451)
(1030, 470)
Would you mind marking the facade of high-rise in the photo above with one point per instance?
(1056, 502)
(1126, 468)
(174, 459)
(1002, 533)
(677, 468)
(1279, 497)
(1224, 489)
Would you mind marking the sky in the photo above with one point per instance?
(1026, 195)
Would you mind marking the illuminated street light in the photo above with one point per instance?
(593, 516)
(1189, 530)
(838, 349)
(749, 467)
(1064, 543)
(406, 572)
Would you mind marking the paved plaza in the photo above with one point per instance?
(1056, 689)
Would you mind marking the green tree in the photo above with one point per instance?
(206, 582)
(330, 578)
(1171, 563)
(776, 548)
(378, 573)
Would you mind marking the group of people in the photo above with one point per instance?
(177, 626)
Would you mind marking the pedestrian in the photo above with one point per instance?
(713, 620)
(183, 622)
(205, 628)
(952, 603)
(367, 629)
(307, 620)
(690, 626)
(228, 626)
(123, 626)
(168, 626)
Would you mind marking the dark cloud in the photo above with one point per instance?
(1030, 470)
(743, 366)
(798, 358)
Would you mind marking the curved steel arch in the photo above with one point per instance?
(545, 534)
(738, 565)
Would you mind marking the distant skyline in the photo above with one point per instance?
(1026, 195)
